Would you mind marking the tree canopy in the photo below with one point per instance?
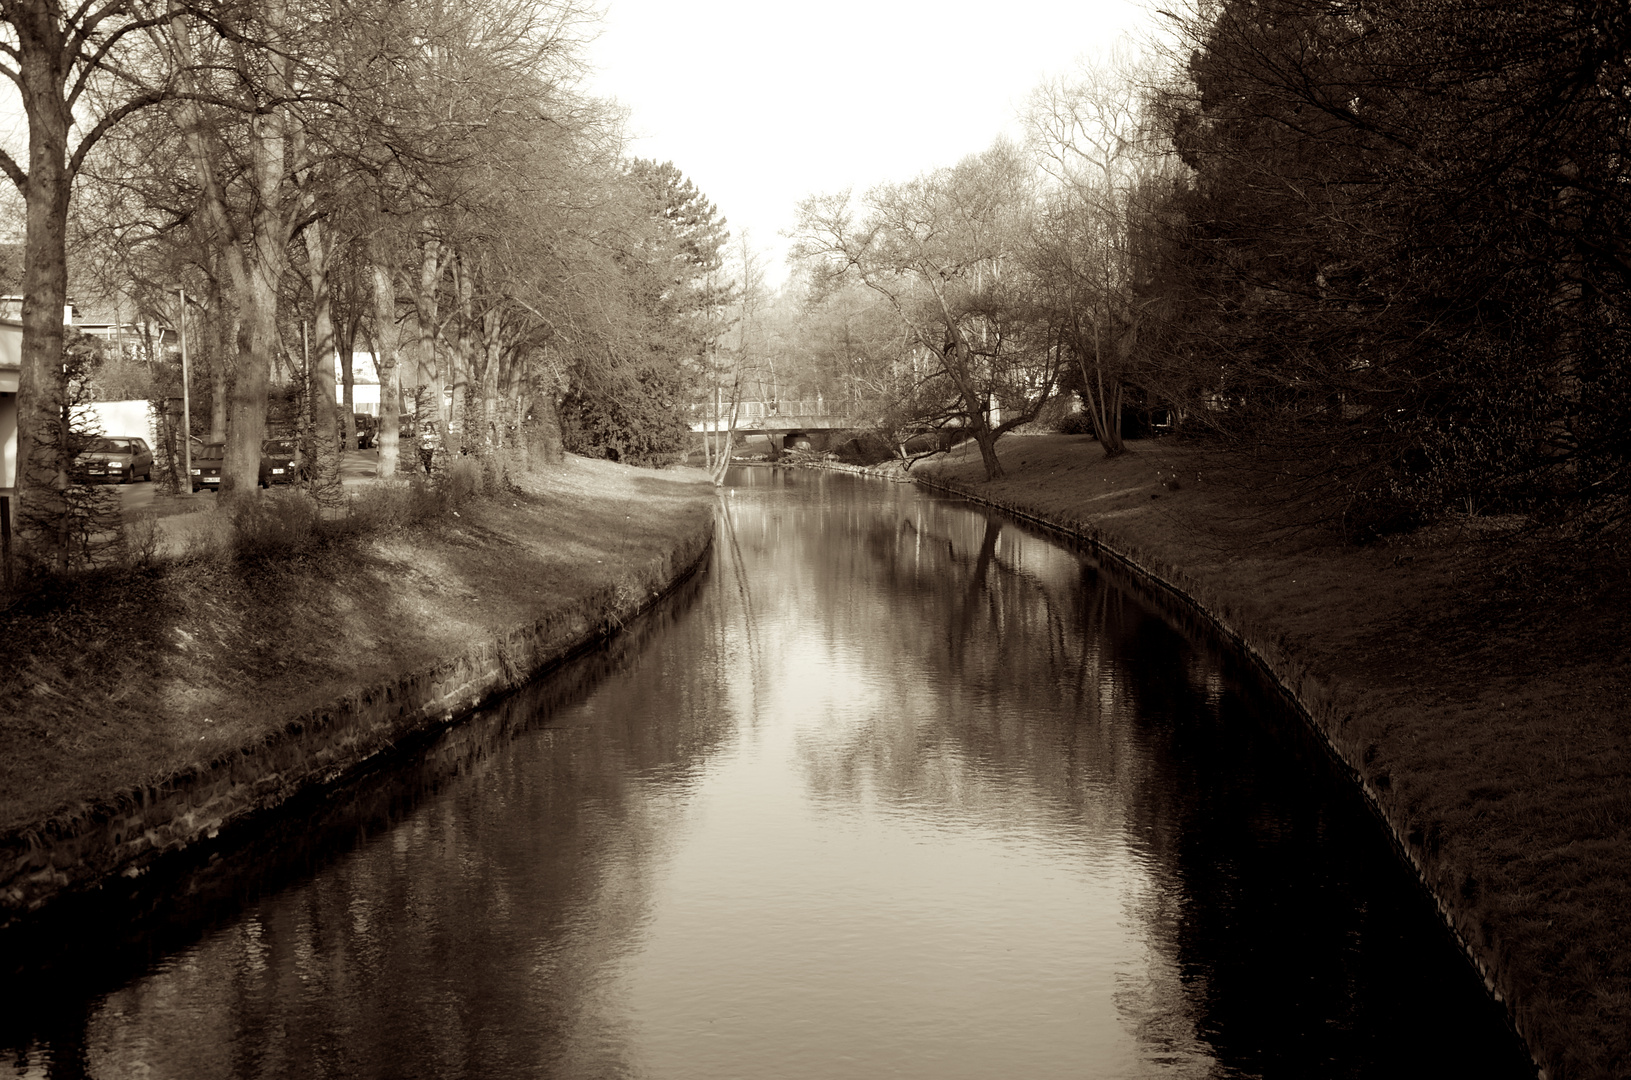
(424, 180)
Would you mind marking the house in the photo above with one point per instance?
(11, 310)
(364, 383)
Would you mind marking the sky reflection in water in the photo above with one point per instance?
(898, 790)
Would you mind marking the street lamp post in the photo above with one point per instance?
(186, 404)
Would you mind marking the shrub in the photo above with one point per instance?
(142, 539)
(373, 507)
(417, 498)
(1074, 424)
(389, 505)
(639, 422)
(863, 448)
(464, 481)
(271, 524)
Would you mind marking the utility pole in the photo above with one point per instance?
(186, 403)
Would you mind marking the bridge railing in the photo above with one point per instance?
(760, 410)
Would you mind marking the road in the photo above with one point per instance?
(358, 466)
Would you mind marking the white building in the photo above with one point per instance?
(11, 367)
(364, 383)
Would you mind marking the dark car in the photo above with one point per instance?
(207, 462)
(280, 464)
(367, 430)
(118, 459)
(280, 461)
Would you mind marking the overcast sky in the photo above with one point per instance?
(762, 104)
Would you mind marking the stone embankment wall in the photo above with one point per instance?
(1321, 705)
(126, 833)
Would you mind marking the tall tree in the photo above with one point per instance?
(72, 69)
(245, 137)
(629, 386)
(1404, 244)
(740, 362)
(1090, 136)
(944, 251)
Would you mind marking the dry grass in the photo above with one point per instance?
(130, 677)
(1488, 701)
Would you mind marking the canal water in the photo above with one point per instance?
(893, 788)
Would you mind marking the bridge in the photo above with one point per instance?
(791, 420)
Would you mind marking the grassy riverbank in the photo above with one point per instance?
(133, 676)
(1484, 703)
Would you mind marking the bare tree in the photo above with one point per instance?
(739, 360)
(1090, 136)
(946, 252)
(245, 138)
(72, 69)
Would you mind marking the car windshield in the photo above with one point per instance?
(211, 452)
(107, 446)
(277, 446)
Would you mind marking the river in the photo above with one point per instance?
(893, 788)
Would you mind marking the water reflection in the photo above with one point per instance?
(897, 789)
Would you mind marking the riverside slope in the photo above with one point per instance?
(1489, 729)
(153, 711)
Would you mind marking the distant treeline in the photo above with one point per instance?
(1381, 249)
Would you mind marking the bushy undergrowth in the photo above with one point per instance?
(863, 448)
(281, 523)
(1073, 424)
(270, 525)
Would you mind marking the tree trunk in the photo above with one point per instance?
(714, 448)
(42, 458)
(492, 341)
(426, 308)
(1103, 408)
(219, 383)
(976, 405)
(387, 339)
(224, 331)
(987, 443)
(42, 453)
(463, 361)
(258, 342)
(255, 253)
(346, 345)
(325, 441)
(259, 266)
(728, 443)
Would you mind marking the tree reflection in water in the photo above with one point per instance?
(897, 788)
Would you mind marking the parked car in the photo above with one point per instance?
(280, 461)
(367, 430)
(119, 459)
(207, 462)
